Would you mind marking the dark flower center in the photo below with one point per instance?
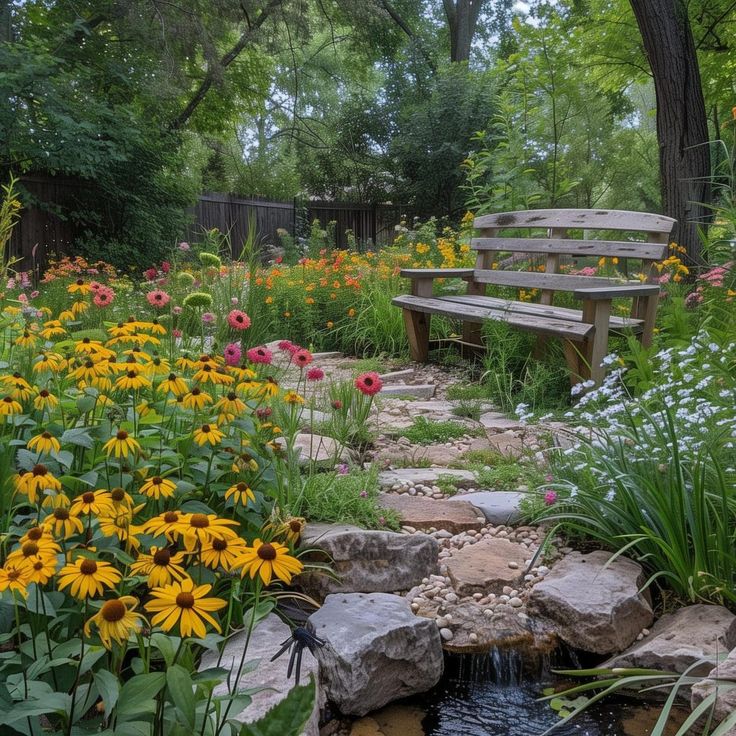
(267, 552)
(199, 521)
(43, 393)
(61, 514)
(35, 534)
(118, 494)
(219, 544)
(40, 470)
(162, 557)
(172, 376)
(185, 600)
(113, 611)
(232, 396)
(171, 517)
(157, 480)
(29, 549)
(88, 567)
(205, 428)
(88, 497)
(122, 434)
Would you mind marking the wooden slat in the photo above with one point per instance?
(551, 281)
(616, 292)
(471, 313)
(541, 310)
(579, 219)
(436, 273)
(580, 248)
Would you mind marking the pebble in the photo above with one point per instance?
(516, 602)
(514, 565)
(446, 634)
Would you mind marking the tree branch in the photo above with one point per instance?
(253, 27)
(401, 23)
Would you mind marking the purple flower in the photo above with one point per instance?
(208, 318)
(183, 246)
(364, 494)
(232, 353)
(550, 497)
(342, 469)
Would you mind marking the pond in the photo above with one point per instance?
(497, 694)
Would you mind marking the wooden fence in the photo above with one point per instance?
(47, 228)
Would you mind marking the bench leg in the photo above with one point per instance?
(417, 330)
(473, 334)
(595, 347)
(574, 363)
(647, 308)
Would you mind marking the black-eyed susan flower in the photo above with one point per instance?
(121, 328)
(173, 385)
(158, 487)
(214, 375)
(41, 537)
(269, 559)
(161, 567)
(155, 327)
(52, 329)
(132, 380)
(292, 397)
(79, 307)
(97, 502)
(121, 444)
(119, 526)
(41, 568)
(197, 399)
(292, 529)
(184, 605)
(87, 578)
(44, 443)
(9, 406)
(51, 362)
(80, 286)
(157, 367)
(26, 339)
(269, 388)
(62, 524)
(21, 391)
(240, 493)
(165, 525)
(116, 620)
(230, 404)
(15, 578)
(121, 500)
(55, 499)
(39, 479)
(222, 553)
(44, 401)
(207, 434)
(201, 528)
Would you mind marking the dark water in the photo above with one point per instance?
(498, 695)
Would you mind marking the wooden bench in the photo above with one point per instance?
(584, 331)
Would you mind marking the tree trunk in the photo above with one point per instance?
(682, 127)
(462, 18)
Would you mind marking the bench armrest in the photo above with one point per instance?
(614, 292)
(437, 273)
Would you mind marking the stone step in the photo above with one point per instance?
(419, 390)
(427, 513)
(333, 355)
(425, 477)
(394, 375)
(499, 507)
(487, 566)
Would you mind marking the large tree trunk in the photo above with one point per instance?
(462, 18)
(682, 127)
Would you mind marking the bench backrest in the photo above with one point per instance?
(556, 241)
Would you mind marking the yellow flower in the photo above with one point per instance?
(121, 444)
(62, 524)
(9, 406)
(222, 553)
(42, 568)
(166, 524)
(87, 578)
(201, 528)
(44, 443)
(158, 487)
(240, 493)
(267, 559)
(132, 380)
(26, 339)
(44, 401)
(185, 605)
(15, 578)
(174, 385)
(116, 620)
(208, 434)
(162, 566)
(39, 479)
(292, 397)
(230, 404)
(196, 399)
(79, 287)
(97, 502)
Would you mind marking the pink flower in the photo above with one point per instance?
(94, 285)
(261, 354)
(550, 497)
(302, 357)
(343, 469)
(238, 320)
(34, 294)
(315, 374)
(234, 301)
(364, 494)
(208, 318)
(286, 345)
(232, 353)
(150, 274)
(158, 298)
(177, 310)
(104, 296)
(22, 298)
(549, 478)
(165, 266)
(176, 332)
(369, 383)
(184, 246)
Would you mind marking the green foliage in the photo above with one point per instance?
(351, 498)
(424, 432)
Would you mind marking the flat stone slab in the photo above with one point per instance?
(507, 443)
(367, 561)
(434, 454)
(313, 416)
(328, 356)
(270, 677)
(681, 639)
(487, 566)
(425, 477)
(317, 448)
(396, 375)
(499, 507)
(376, 650)
(498, 422)
(418, 390)
(594, 604)
(427, 513)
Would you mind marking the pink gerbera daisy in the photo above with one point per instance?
(232, 353)
(158, 298)
(238, 320)
(369, 383)
(103, 296)
(261, 354)
(302, 357)
(315, 374)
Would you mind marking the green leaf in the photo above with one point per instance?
(136, 695)
(165, 645)
(134, 728)
(77, 436)
(288, 717)
(109, 687)
(180, 687)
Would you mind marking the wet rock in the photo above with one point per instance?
(367, 561)
(499, 507)
(725, 703)
(487, 566)
(593, 606)
(268, 678)
(425, 476)
(680, 639)
(376, 650)
(431, 514)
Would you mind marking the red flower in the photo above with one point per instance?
(150, 274)
(165, 266)
(302, 357)
(315, 374)
(260, 354)
(279, 259)
(238, 320)
(369, 383)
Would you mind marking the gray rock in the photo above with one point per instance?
(310, 417)
(725, 702)
(394, 375)
(265, 641)
(498, 422)
(499, 507)
(416, 390)
(367, 561)
(376, 650)
(680, 639)
(507, 444)
(319, 449)
(487, 566)
(426, 477)
(327, 356)
(593, 606)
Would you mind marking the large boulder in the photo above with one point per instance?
(594, 605)
(367, 561)
(267, 678)
(680, 639)
(487, 566)
(376, 650)
(725, 701)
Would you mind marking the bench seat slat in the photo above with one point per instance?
(571, 315)
(580, 248)
(576, 331)
(551, 281)
(579, 219)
